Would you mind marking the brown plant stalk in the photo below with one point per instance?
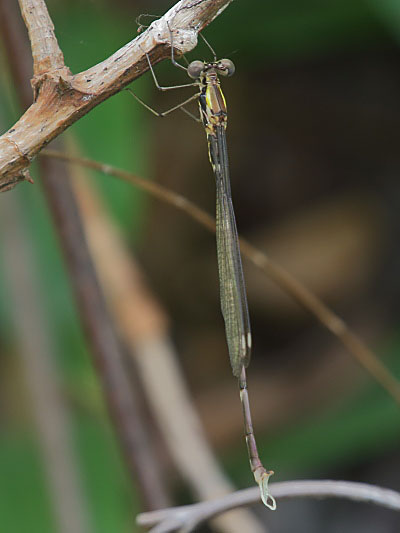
(143, 324)
(308, 300)
(52, 95)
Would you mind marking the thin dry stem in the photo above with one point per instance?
(186, 518)
(279, 275)
(105, 347)
(144, 327)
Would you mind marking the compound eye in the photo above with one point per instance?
(195, 69)
(226, 67)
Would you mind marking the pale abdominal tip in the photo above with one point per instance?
(267, 499)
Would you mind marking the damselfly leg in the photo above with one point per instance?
(162, 88)
(164, 113)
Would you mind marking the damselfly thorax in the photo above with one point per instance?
(212, 102)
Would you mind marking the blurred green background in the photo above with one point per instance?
(314, 117)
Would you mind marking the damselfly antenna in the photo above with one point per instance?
(139, 23)
(209, 46)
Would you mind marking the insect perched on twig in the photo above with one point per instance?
(213, 115)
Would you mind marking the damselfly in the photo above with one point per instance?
(213, 115)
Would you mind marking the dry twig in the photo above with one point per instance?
(61, 98)
(186, 518)
(105, 347)
(279, 275)
(144, 327)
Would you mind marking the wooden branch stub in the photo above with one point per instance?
(61, 98)
(45, 50)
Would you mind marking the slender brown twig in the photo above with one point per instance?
(144, 326)
(186, 518)
(105, 347)
(279, 275)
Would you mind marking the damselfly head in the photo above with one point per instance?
(225, 67)
(195, 68)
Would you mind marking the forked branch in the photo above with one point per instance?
(61, 98)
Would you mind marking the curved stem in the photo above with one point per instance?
(308, 300)
(176, 518)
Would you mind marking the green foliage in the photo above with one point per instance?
(280, 31)
(22, 486)
(264, 33)
(113, 133)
